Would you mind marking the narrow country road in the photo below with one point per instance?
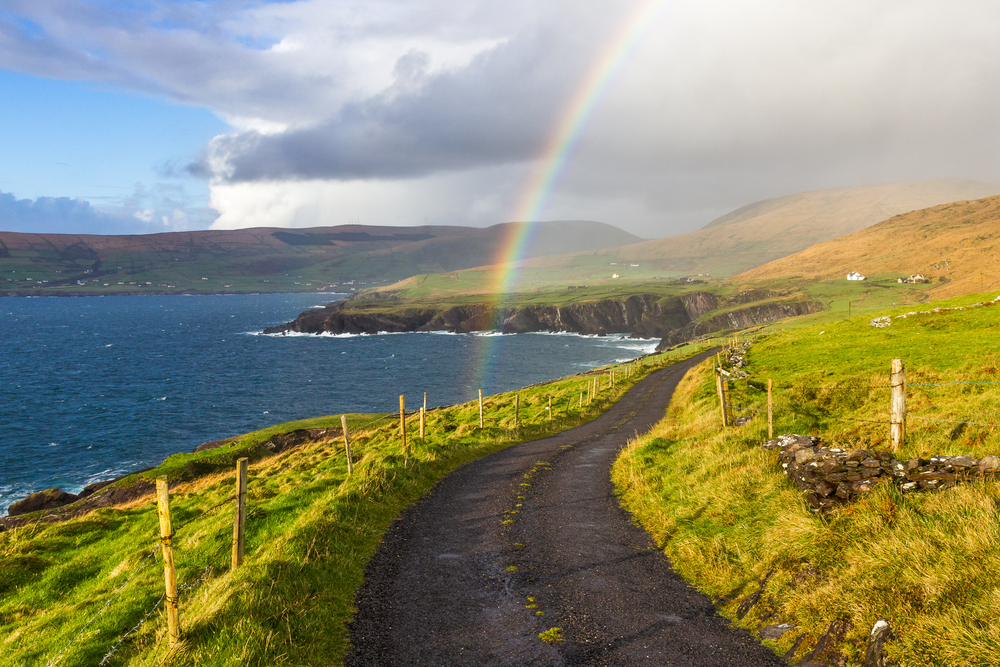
(453, 584)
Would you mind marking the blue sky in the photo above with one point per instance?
(77, 140)
(161, 115)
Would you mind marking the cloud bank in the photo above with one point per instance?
(389, 111)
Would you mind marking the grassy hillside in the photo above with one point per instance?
(956, 246)
(760, 232)
(72, 592)
(268, 259)
(726, 515)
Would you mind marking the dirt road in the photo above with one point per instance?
(530, 539)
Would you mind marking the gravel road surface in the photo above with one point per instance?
(530, 539)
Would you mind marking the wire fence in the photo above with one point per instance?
(204, 569)
(858, 385)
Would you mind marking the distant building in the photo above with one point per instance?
(854, 275)
(615, 275)
(915, 279)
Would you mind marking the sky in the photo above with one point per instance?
(137, 116)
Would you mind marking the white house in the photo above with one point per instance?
(854, 275)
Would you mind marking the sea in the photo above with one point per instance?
(95, 387)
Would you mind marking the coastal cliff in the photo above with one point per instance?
(673, 318)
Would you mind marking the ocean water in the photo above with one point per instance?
(93, 387)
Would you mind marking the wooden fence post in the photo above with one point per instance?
(517, 410)
(722, 398)
(480, 408)
(425, 401)
(897, 407)
(581, 400)
(770, 411)
(347, 444)
(402, 420)
(550, 408)
(423, 411)
(729, 403)
(167, 547)
(240, 512)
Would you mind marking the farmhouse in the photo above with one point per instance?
(916, 278)
(854, 275)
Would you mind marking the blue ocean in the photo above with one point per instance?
(94, 387)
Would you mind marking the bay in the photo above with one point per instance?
(94, 387)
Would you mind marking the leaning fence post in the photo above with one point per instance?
(167, 547)
(770, 411)
(402, 420)
(517, 410)
(729, 403)
(423, 411)
(480, 408)
(240, 512)
(897, 406)
(347, 444)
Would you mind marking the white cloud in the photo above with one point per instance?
(401, 113)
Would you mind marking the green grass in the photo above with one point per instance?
(311, 528)
(725, 514)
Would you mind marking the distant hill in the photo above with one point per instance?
(773, 228)
(956, 246)
(270, 259)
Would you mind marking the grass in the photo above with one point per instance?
(728, 518)
(311, 529)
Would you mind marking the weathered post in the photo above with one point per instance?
(480, 408)
(425, 401)
(167, 547)
(402, 421)
(722, 398)
(347, 444)
(240, 512)
(517, 410)
(897, 408)
(550, 408)
(581, 400)
(423, 411)
(728, 402)
(770, 411)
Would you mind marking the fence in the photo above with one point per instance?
(897, 413)
(587, 387)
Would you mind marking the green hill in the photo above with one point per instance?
(269, 259)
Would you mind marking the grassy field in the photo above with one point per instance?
(71, 591)
(725, 514)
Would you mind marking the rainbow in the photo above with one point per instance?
(556, 155)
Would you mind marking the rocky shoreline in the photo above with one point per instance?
(674, 319)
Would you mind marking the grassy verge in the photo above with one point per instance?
(69, 592)
(728, 518)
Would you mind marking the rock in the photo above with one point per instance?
(96, 486)
(843, 491)
(42, 500)
(871, 463)
(864, 486)
(880, 634)
(963, 461)
(989, 464)
(805, 455)
(825, 488)
(776, 630)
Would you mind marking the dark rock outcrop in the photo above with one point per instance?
(674, 319)
(49, 499)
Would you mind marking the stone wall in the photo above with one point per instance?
(832, 476)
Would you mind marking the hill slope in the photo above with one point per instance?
(269, 259)
(773, 228)
(956, 246)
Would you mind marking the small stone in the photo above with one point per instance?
(908, 486)
(989, 464)
(825, 488)
(804, 455)
(963, 461)
(843, 491)
(864, 486)
(776, 630)
(871, 463)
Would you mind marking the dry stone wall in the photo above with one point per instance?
(833, 476)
